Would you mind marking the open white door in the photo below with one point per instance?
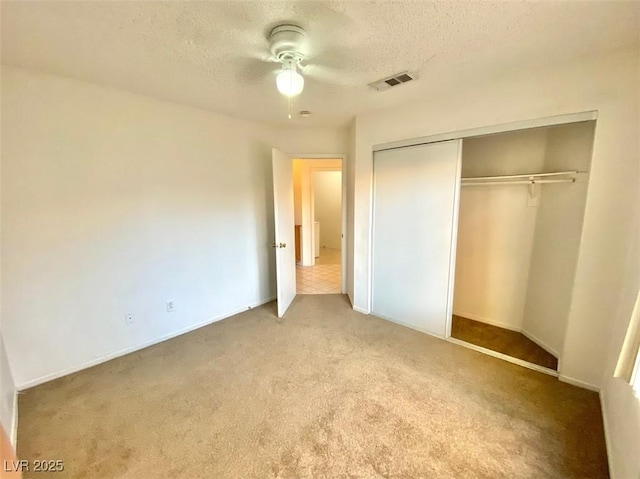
(284, 230)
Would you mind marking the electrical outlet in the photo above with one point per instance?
(128, 317)
(171, 306)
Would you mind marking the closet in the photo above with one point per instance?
(477, 239)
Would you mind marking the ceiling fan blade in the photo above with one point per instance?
(331, 76)
(255, 72)
(261, 55)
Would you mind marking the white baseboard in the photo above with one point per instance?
(577, 382)
(607, 437)
(492, 322)
(102, 359)
(360, 310)
(407, 325)
(540, 343)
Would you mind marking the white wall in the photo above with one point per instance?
(608, 84)
(557, 236)
(327, 195)
(496, 229)
(311, 141)
(621, 408)
(115, 203)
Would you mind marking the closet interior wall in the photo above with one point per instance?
(515, 263)
(556, 242)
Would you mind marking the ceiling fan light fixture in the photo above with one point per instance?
(289, 82)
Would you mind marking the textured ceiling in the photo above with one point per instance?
(212, 54)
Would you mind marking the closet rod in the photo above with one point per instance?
(529, 175)
(522, 182)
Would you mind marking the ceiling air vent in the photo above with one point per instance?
(393, 80)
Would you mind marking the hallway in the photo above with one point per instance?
(324, 277)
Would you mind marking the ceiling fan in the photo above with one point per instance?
(289, 45)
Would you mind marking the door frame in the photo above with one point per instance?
(343, 243)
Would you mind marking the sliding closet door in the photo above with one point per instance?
(415, 201)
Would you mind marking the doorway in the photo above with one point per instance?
(319, 225)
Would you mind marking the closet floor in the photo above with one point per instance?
(511, 343)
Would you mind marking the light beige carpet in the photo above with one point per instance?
(326, 392)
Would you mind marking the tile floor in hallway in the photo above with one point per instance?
(324, 277)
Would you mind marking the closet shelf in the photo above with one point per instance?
(528, 176)
(523, 179)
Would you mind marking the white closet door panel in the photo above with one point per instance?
(414, 218)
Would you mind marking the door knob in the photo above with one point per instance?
(280, 245)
